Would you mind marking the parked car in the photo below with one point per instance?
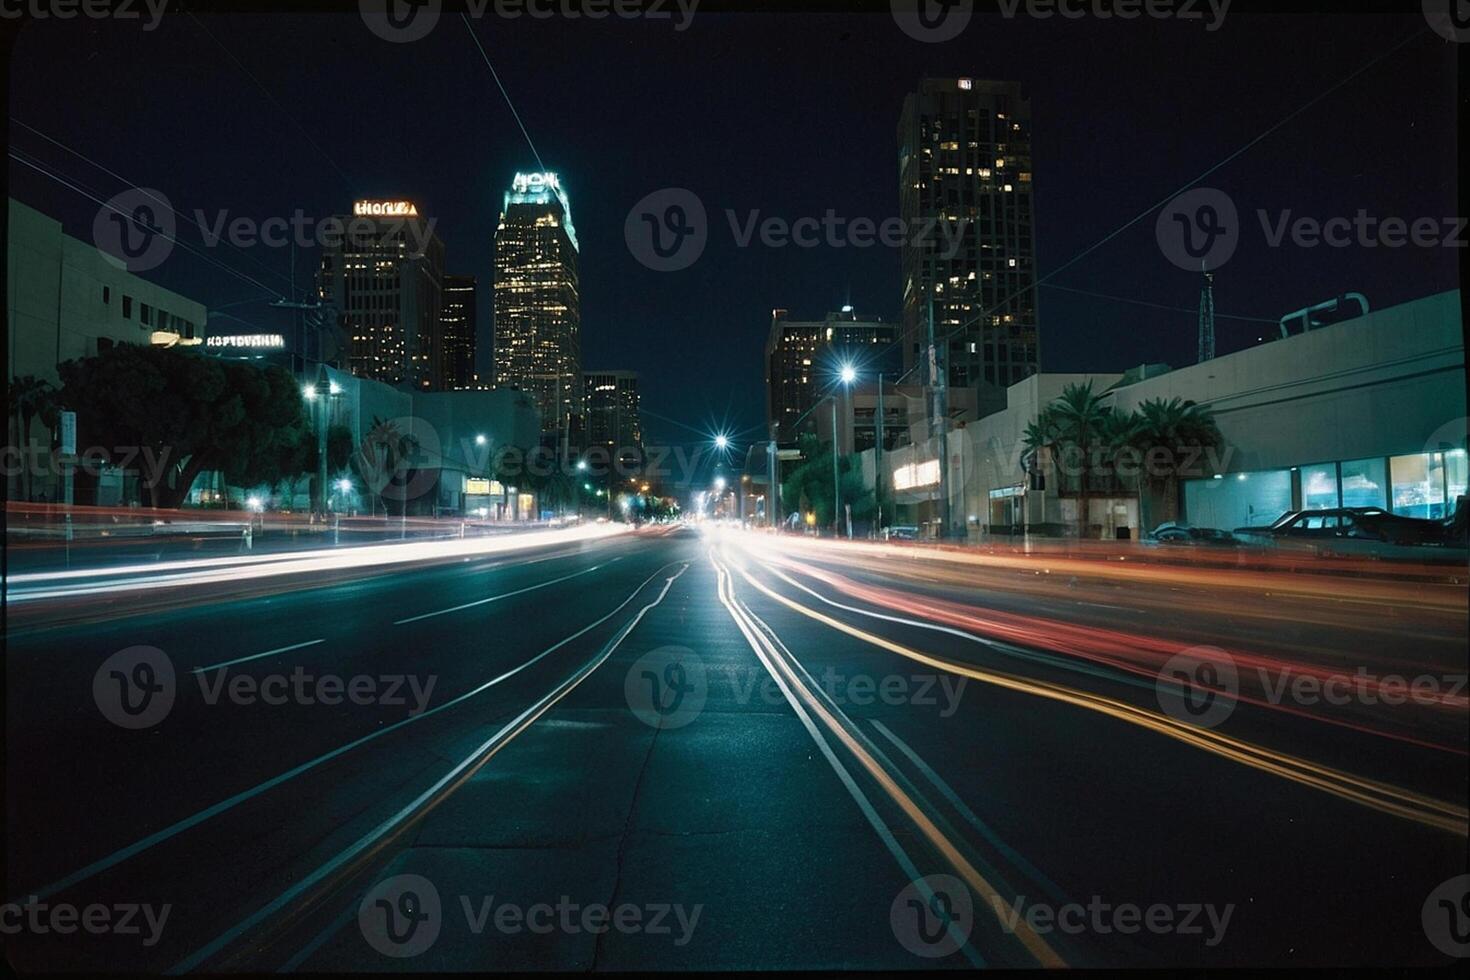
(1173, 532)
(903, 533)
(1363, 523)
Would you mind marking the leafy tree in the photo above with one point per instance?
(187, 414)
(810, 485)
(1166, 435)
(27, 399)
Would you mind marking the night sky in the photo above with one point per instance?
(789, 114)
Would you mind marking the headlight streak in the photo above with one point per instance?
(789, 683)
(1367, 792)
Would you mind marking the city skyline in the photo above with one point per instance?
(1085, 330)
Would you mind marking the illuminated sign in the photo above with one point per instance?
(925, 474)
(477, 486)
(268, 341)
(531, 183)
(390, 209)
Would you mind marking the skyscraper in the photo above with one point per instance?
(612, 412)
(803, 358)
(385, 276)
(964, 155)
(457, 365)
(538, 315)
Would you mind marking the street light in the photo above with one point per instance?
(722, 441)
(847, 375)
(480, 439)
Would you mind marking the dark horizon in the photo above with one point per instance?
(815, 115)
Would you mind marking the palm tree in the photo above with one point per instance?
(1183, 430)
(29, 397)
(1079, 420)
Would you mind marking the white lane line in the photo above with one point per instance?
(503, 595)
(764, 653)
(257, 656)
(476, 759)
(970, 816)
(173, 830)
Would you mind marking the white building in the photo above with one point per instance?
(1365, 412)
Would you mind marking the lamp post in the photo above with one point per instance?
(847, 376)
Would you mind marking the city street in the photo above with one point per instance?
(699, 747)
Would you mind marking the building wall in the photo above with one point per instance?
(1381, 387)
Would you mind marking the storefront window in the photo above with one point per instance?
(1418, 484)
(1454, 477)
(1238, 499)
(1364, 483)
(1319, 486)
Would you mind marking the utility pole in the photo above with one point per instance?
(939, 417)
(878, 458)
(773, 506)
(836, 483)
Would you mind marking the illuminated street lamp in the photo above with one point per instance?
(480, 439)
(722, 441)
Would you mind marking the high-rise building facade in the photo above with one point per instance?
(385, 276)
(804, 357)
(538, 313)
(612, 412)
(964, 157)
(457, 327)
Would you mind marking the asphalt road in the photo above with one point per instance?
(680, 750)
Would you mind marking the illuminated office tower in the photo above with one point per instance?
(964, 157)
(457, 327)
(538, 314)
(385, 276)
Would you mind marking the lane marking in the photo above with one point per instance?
(379, 836)
(174, 829)
(770, 659)
(1371, 793)
(257, 656)
(503, 595)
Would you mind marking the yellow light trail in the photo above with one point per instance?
(1373, 794)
